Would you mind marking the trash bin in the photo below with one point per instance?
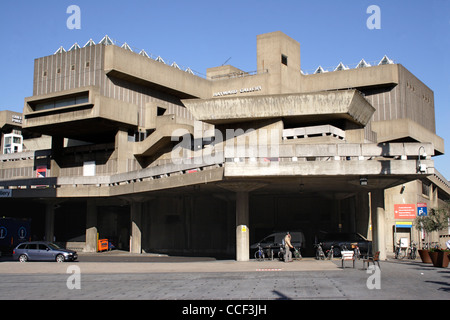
(102, 245)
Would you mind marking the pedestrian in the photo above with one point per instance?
(287, 248)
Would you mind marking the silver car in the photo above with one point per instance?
(42, 251)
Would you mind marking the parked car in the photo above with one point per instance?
(341, 241)
(275, 240)
(42, 251)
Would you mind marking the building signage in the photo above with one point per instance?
(6, 193)
(236, 91)
(41, 171)
(406, 224)
(404, 211)
(422, 209)
(16, 118)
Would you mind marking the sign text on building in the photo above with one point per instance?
(404, 211)
(236, 91)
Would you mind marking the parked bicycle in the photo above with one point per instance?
(412, 251)
(320, 255)
(259, 254)
(269, 253)
(330, 253)
(357, 252)
(399, 252)
(297, 254)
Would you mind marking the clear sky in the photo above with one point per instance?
(201, 34)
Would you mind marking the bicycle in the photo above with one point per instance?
(330, 253)
(412, 251)
(399, 253)
(319, 252)
(269, 252)
(259, 254)
(357, 252)
(297, 254)
(281, 253)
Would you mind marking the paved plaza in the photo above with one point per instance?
(153, 277)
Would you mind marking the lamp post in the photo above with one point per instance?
(422, 168)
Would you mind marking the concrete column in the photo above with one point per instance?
(242, 190)
(242, 231)
(136, 221)
(49, 221)
(121, 145)
(91, 227)
(378, 222)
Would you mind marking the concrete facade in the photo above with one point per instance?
(157, 159)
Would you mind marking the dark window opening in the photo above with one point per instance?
(284, 59)
(160, 111)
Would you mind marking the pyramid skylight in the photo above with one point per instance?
(106, 41)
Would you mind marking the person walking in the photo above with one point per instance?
(287, 248)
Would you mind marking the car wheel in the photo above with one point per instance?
(60, 258)
(23, 258)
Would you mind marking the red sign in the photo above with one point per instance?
(405, 211)
(41, 171)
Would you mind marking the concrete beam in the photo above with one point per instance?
(347, 104)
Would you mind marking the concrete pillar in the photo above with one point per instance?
(242, 222)
(121, 145)
(378, 222)
(242, 190)
(49, 221)
(91, 227)
(136, 221)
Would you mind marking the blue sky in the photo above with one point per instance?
(203, 34)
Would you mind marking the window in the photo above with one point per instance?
(89, 168)
(284, 59)
(42, 246)
(64, 102)
(426, 188)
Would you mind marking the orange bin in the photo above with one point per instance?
(102, 245)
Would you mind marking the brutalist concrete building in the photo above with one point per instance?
(117, 144)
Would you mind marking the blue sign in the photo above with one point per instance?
(22, 233)
(422, 209)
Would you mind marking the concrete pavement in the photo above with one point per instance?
(153, 277)
(119, 262)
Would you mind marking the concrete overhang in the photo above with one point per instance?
(93, 120)
(345, 104)
(375, 76)
(130, 66)
(10, 119)
(406, 130)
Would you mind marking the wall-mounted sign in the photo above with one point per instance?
(236, 91)
(41, 171)
(406, 224)
(16, 118)
(422, 209)
(404, 211)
